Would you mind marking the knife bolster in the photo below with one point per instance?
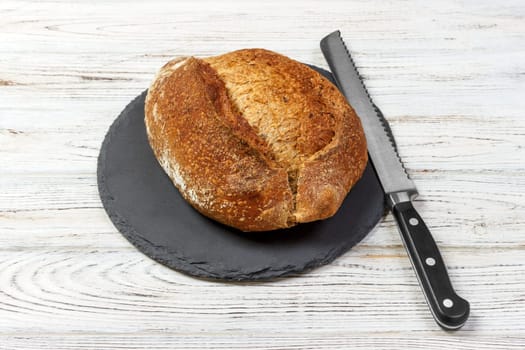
(400, 197)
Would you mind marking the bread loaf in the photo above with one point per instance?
(253, 139)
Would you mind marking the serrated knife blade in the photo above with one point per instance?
(387, 163)
(449, 310)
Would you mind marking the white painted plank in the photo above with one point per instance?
(308, 339)
(462, 209)
(426, 143)
(93, 290)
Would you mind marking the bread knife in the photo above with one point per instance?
(449, 310)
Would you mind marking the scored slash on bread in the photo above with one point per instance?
(253, 139)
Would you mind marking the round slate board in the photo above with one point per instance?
(148, 210)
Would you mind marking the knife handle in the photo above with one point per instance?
(449, 310)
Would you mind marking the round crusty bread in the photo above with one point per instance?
(253, 139)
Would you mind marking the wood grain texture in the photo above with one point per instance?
(449, 77)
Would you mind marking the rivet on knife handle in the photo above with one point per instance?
(449, 310)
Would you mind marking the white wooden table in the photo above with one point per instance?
(449, 76)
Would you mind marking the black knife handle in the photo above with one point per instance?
(449, 310)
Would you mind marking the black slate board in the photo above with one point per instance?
(148, 210)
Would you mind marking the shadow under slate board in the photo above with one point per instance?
(148, 210)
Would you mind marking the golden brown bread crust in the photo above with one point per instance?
(254, 139)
